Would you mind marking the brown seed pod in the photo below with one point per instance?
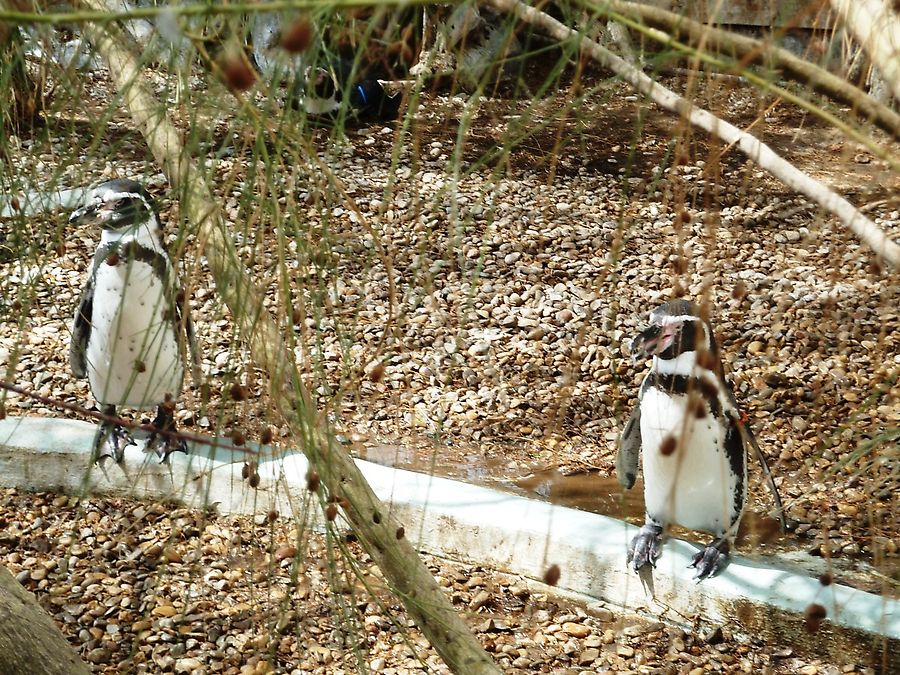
(140, 366)
(813, 617)
(113, 259)
(376, 517)
(14, 203)
(265, 438)
(296, 316)
(826, 579)
(312, 480)
(237, 437)
(237, 392)
(668, 446)
(707, 359)
(2, 410)
(331, 512)
(377, 373)
(400, 533)
(237, 72)
(297, 37)
(709, 389)
(245, 471)
(16, 305)
(272, 516)
(254, 480)
(552, 575)
(700, 409)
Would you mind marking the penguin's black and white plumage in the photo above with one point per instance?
(368, 100)
(131, 328)
(692, 438)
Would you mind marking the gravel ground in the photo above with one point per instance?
(513, 291)
(149, 588)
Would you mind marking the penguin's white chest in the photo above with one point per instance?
(133, 357)
(694, 486)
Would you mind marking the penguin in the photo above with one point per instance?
(131, 326)
(692, 438)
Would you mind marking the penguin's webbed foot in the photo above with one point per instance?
(711, 560)
(111, 441)
(645, 547)
(163, 440)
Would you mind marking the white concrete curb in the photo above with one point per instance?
(478, 525)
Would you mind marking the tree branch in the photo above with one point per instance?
(371, 520)
(864, 228)
(30, 642)
(763, 53)
(877, 29)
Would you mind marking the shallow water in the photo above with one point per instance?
(587, 491)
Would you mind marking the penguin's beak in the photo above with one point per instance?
(653, 340)
(89, 214)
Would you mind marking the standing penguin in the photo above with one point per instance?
(127, 337)
(693, 438)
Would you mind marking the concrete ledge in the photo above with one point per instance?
(760, 596)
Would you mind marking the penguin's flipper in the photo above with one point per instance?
(749, 441)
(81, 330)
(629, 449)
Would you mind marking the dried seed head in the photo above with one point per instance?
(238, 438)
(14, 203)
(245, 471)
(297, 37)
(668, 446)
(265, 438)
(707, 359)
(254, 480)
(237, 392)
(377, 372)
(739, 292)
(139, 366)
(296, 316)
(237, 72)
(330, 512)
(272, 516)
(552, 575)
(400, 533)
(709, 389)
(2, 410)
(113, 259)
(376, 517)
(312, 480)
(826, 579)
(814, 615)
(700, 409)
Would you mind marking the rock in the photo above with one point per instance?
(188, 665)
(578, 630)
(588, 656)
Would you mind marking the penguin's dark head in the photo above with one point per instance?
(116, 206)
(676, 327)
